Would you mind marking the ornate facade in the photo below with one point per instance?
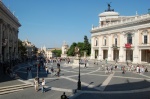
(122, 38)
(30, 48)
(9, 25)
(64, 49)
(47, 52)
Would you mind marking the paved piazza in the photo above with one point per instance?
(95, 83)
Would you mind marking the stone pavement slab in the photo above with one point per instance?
(122, 84)
(30, 93)
(140, 95)
(61, 83)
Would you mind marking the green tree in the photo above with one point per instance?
(83, 46)
(22, 49)
(70, 52)
(87, 46)
(57, 52)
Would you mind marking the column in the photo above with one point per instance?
(112, 54)
(109, 49)
(7, 46)
(140, 55)
(121, 50)
(17, 43)
(92, 49)
(136, 49)
(102, 54)
(1, 41)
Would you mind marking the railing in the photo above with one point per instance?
(136, 18)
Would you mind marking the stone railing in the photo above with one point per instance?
(124, 21)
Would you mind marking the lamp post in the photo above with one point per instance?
(79, 82)
(77, 52)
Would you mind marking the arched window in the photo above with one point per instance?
(115, 41)
(129, 38)
(105, 41)
(96, 42)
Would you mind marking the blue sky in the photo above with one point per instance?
(50, 22)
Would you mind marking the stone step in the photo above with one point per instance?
(13, 88)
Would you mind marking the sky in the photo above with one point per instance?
(51, 22)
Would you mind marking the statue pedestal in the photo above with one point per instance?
(76, 61)
(63, 55)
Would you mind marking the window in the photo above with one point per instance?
(105, 42)
(115, 41)
(129, 38)
(96, 43)
(145, 39)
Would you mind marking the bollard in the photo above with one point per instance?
(64, 96)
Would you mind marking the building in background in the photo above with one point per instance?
(64, 49)
(121, 38)
(9, 29)
(30, 48)
(47, 52)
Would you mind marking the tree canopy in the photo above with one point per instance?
(83, 46)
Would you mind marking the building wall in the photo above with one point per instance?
(137, 26)
(9, 25)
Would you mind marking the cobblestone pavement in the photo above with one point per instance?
(95, 83)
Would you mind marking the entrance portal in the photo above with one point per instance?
(105, 54)
(96, 54)
(129, 55)
(116, 54)
(145, 55)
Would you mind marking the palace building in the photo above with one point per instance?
(121, 38)
(9, 26)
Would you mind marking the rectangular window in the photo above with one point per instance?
(115, 41)
(129, 40)
(145, 39)
(105, 42)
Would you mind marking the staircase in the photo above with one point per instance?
(13, 88)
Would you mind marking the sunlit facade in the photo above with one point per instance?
(122, 38)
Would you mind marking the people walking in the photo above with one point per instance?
(36, 84)
(123, 70)
(43, 84)
(58, 72)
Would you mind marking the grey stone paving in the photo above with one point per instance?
(30, 93)
(91, 78)
(142, 95)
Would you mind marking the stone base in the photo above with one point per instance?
(63, 55)
(76, 62)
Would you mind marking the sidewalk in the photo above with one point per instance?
(6, 80)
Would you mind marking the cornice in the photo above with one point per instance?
(118, 25)
(9, 13)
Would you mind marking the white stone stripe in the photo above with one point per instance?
(83, 83)
(128, 77)
(144, 75)
(105, 83)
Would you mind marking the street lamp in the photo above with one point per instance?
(79, 82)
(77, 52)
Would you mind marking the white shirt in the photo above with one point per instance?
(43, 82)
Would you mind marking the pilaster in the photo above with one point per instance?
(136, 49)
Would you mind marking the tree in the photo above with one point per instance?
(83, 46)
(22, 49)
(57, 52)
(87, 46)
(71, 52)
